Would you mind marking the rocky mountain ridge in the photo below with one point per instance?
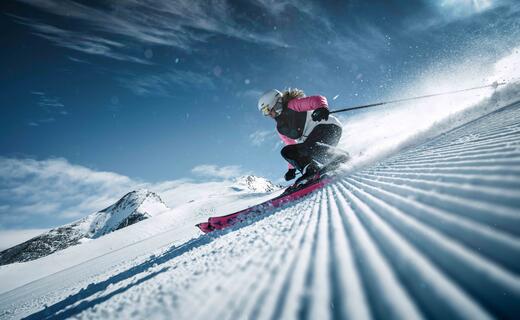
(133, 207)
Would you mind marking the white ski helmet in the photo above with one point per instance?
(269, 100)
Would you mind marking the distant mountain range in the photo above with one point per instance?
(133, 207)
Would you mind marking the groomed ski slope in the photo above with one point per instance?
(432, 232)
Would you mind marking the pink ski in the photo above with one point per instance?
(218, 223)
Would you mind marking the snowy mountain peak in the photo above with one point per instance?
(131, 208)
(133, 199)
(253, 183)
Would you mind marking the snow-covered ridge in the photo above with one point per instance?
(254, 184)
(131, 208)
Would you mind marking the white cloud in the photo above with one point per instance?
(461, 8)
(37, 208)
(259, 137)
(210, 170)
(52, 191)
(445, 12)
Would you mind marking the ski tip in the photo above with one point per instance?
(205, 227)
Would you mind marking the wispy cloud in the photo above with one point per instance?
(52, 106)
(463, 8)
(259, 137)
(361, 40)
(74, 59)
(50, 102)
(130, 31)
(166, 84)
(179, 24)
(279, 10)
(442, 13)
(80, 41)
(250, 93)
(213, 171)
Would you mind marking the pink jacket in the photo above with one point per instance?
(302, 105)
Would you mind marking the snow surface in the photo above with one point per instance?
(431, 232)
(195, 203)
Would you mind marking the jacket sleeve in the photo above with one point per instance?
(287, 141)
(308, 103)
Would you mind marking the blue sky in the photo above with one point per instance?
(157, 90)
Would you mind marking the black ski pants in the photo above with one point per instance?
(315, 147)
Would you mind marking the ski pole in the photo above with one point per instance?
(494, 85)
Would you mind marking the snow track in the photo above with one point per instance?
(430, 233)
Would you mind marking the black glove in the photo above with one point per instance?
(290, 174)
(320, 114)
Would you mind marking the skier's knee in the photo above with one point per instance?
(288, 152)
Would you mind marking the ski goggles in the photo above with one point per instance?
(277, 109)
(265, 110)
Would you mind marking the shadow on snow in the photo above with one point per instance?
(77, 303)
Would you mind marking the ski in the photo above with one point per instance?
(302, 187)
(218, 223)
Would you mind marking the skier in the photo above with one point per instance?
(305, 126)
